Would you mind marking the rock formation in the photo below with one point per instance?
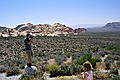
(56, 29)
(79, 30)
(30, 70)
(9, 32)
(2, 28)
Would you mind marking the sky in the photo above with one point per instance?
(68, 12)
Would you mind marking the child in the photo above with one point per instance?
(87, 71)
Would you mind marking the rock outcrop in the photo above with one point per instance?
(30, 70)
(2, 28)
(10, 32)
(79, 30)
(56, 29)
(44, 29)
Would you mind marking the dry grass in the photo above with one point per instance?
(100, 65)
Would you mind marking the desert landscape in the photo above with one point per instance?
(66, 38)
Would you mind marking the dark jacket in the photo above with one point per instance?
(27, 46)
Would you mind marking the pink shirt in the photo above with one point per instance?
(90, 75)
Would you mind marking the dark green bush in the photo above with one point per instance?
(27, 77)
(71, 69)
(12, 71)
(93, 62)
(54, 70)
(65, 70)
(85, 58)
(111, 47)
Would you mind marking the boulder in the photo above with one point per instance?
(30, 70)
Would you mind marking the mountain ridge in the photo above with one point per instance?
(109, 27)
(87, 25)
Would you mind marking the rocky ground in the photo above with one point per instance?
(3, 77)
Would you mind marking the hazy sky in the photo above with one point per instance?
(69, 12)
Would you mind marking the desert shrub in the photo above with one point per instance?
(118, 64)
(65, 70)
(102, 54)
(114, 71)
(42, 54)
(93, 62)
(43, 66)
(117, 52)
(26, 77)
(67, 53)
(12, 71)
(77, 69)
(38, 74)
(107, 63)
(115, 77)
(111, 47)
(2, 69)
(109, 57)
(76, 55)
(54, 70)
(66, 78)
(98, 60)
(60, 58)
(116, 57)
(85, 58)
(100, 75)
(21, 63)
(71, 69)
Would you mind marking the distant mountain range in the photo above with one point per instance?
(87, 25)
(109, 27)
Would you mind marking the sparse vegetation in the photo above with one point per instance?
(102, 48)
(12, 71)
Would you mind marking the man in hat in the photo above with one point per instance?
(28, 48)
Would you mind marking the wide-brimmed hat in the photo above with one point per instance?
(87, 63)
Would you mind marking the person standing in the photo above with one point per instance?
(28, 49)
(88, 75)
